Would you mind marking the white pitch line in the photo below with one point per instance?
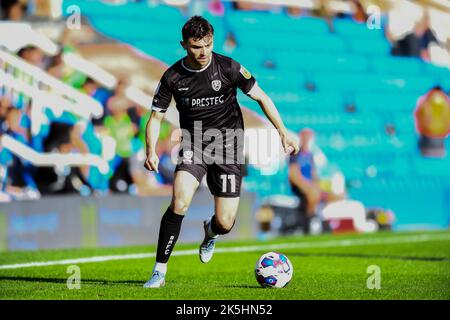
(277, 247)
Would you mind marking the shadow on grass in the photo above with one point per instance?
(64, 281)
(241, 286)
(361, 255)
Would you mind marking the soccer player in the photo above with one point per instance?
(204, 86)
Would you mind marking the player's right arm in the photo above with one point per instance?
(152, 134)
(161, 102)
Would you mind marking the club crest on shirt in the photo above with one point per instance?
(216, 85)
(247, 75)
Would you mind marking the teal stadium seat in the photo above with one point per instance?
(393, 102)
(396, 65)
(241, 21)
(349, 29)
(369, 47)
(291, 42)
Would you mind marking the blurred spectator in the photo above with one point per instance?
(359, 14)
(5, 104)
(19, 176)
(13, 10)
(13, 121)
(249, 6)
(90, 87)
(94, 90)
(230, 43)
(216, 8)
(425, 37)
(56, 66)
(32, 55)
(5, 161)
(122, 130)
(63, 138)
(323, 10)
(415, 43)
(294, 11)
(305, 181)
(432, 119)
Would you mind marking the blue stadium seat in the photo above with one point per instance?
(432, 166)
(244, 21)
(308, 25)
(339, 82)
(252, 59)
(372, 83)
(307, 61)
(373, 102)
(397, 65)
(370, 47)
(349, 28)
(291, 42)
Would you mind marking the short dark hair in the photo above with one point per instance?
(197, 27)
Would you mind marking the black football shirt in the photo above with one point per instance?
(206, 96)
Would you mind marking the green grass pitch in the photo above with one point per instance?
(413, 265)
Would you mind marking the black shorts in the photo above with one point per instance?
(224, 180)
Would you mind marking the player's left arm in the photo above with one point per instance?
(271, 112)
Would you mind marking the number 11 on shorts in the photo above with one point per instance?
(232, 179)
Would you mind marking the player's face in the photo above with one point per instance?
(199, 51)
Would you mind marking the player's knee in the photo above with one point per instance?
(225, 224)
(180, 205)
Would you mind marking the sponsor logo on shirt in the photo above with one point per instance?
(207, 102)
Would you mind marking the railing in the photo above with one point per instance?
(41, 80)
(52, 158)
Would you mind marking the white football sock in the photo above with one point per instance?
(161, 267)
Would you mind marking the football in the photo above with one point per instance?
(273, 270)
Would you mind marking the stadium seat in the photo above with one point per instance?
(308, 25)
(291, 42)
(349, 28)
(307, 61)
(431, 166)
(396, 65)
(369, 47)
(243, 21)
(393, 102)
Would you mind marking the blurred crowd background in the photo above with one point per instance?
(365, 84)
